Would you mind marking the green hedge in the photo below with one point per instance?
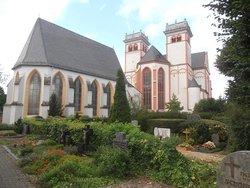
(202, 130)
(173, 124)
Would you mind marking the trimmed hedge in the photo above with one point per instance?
(175, 125)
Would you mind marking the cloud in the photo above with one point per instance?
(17, 19)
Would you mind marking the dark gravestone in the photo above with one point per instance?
(83, 147)
(64, 137)
(120, 141)
(234, 170)
(26, 129)
(215, 139)
(193, 117)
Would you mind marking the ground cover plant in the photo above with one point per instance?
(56, 166)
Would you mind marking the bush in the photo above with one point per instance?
(113, 162)
(202, 130)
(6, 127)
(173, 124)
(18, 126)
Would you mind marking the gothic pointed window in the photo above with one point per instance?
(135, 47)
(77, 94)
(147, 87)
(161, 92)
(94, 97)
(34, 94)
(108, 91)
(178, 38)
(130, 48)
(58, 87)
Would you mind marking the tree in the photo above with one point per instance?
(120, 110)
(55, 108)
(174, 105)
(233, 20)
(210, 105)
(234, 61)
(2, 98)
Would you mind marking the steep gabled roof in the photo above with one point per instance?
(153, 55)
(198, 60)
(193, 83)
(52, 45)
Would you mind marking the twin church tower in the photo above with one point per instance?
(158, 76)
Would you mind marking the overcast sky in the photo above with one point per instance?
(107, 21)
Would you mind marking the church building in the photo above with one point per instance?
(177, 72)
(80, 71)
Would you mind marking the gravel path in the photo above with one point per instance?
(208, 157)
(10, 175)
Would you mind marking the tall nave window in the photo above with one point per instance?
(34, 94)
(161, 93)
(147, 87)
(77, 94)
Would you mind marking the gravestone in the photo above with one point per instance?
(234, 170)
(120, 141)
(162, 132)
(84, 147)
(215, 139)
(64, 137)
(134, 122)
(26, 129)
(193, 117)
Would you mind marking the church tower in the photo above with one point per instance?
(178, 48)
(136, 45)
(178, 53)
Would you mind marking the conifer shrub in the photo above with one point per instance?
(55, 107)
(120, 110)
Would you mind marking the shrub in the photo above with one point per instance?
(113, 162)
(18, 126)
(25, 150)
(202, 130)
(6, 127)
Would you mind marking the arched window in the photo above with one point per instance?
(161, 92)
(147, 87)
(108, 91)
(135, 47)
(94, 97)
(173, 39)
(34, 94)
(178, 38)
(77, 94)
(58, 87)
(130, 48)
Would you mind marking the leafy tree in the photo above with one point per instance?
(210, 105)
(2, 98)
(55, 108)
(233, 20)
(120, 110)
(174, 105)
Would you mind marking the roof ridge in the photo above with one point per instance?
(61, 27)
(45, 51)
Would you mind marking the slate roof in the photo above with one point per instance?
(153, 55)
(52, 45)
(193, 83)
(198, 60)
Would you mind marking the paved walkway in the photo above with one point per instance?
(10, 175)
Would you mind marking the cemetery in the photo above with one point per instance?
(68, 151)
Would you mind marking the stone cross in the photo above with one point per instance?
(232, 165)
(187, 133)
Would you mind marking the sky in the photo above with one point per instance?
(108, 21)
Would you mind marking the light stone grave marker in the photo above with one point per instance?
(215, 139)
(162, 132)
(234, 170)
(120, 140)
